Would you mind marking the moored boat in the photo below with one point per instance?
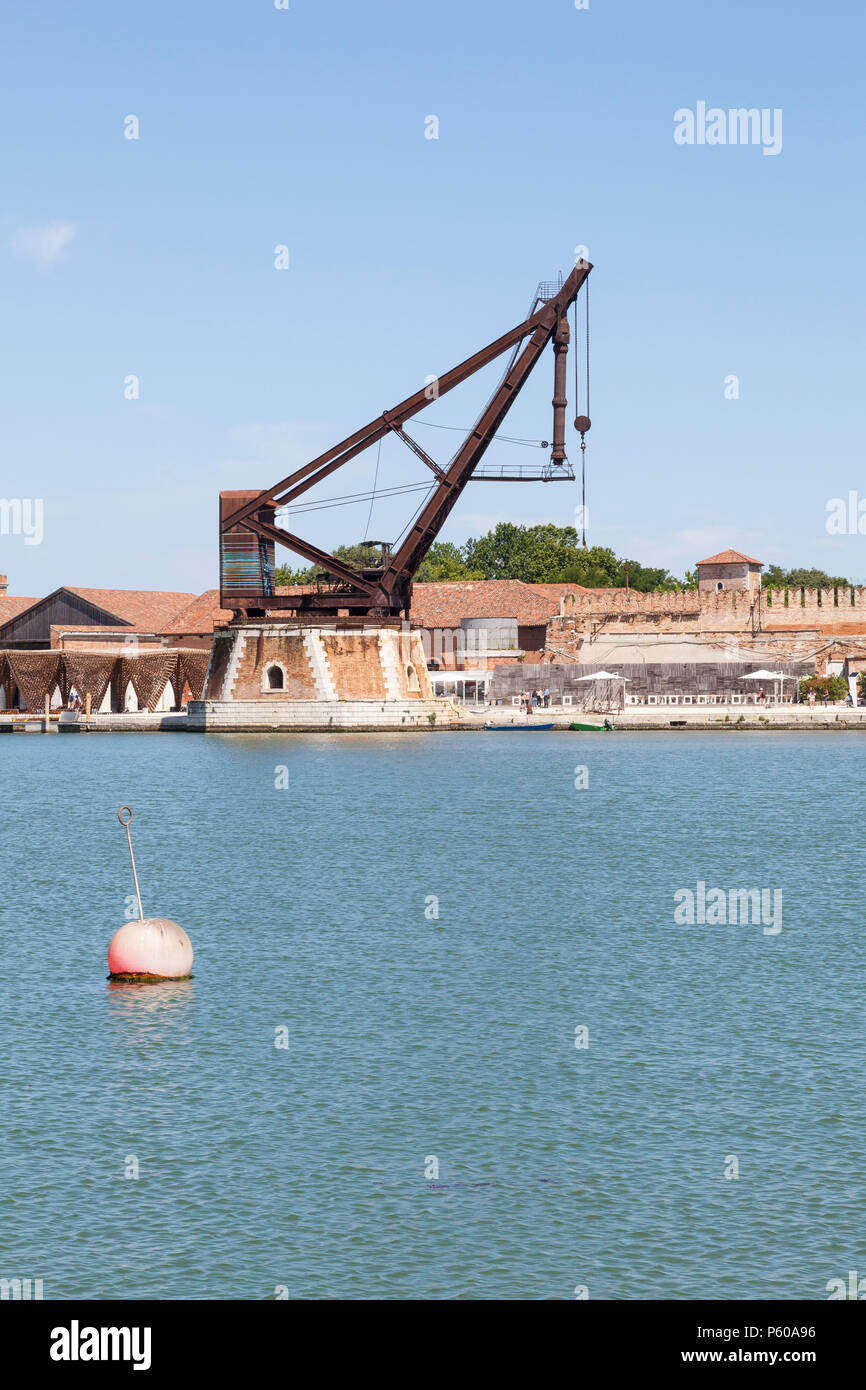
(533, 728)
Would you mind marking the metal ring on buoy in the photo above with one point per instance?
(120, 815)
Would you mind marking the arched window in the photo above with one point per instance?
(412, 678)
(719, 587)
(275, 678)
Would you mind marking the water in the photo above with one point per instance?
(413, 1037)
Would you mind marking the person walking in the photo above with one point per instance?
(811, 699)
(546, 697)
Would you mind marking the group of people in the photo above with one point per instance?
(810, 698)
(535, 699)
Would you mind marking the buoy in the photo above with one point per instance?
(151, 948)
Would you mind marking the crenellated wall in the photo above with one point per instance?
(789, 621)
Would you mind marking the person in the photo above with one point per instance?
(546, 697)
(826, 698)
(811, 698)
(525, 701)
(760, 693)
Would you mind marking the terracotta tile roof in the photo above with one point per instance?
(11, 607)
(557, 590)
(202, 615)
(146, 609)
(446, 604)
(730, 557)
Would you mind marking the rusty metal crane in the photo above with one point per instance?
(248, 529)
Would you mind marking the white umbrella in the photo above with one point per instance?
(603, 676)
(607, 676)
(765, 676)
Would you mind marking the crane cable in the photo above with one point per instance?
(577, 406)
(503, 438)
(373, 494)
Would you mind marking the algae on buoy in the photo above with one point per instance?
(151, 948)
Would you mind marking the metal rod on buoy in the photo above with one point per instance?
(125, 824)
(152, 948)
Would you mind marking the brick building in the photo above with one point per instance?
(460, 634)
(730, 569)
(126, 649)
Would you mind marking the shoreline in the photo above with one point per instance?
(439, 716)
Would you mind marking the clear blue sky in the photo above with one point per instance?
(305, 127)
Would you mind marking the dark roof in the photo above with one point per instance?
(147, 610)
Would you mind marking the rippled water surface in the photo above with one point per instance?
(312, 909)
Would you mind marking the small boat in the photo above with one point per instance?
(533, 728)
(606, 727)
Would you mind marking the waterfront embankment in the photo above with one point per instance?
(377, 716)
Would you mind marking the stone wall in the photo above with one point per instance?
(309, 716)
(798, 617)
(730, 574)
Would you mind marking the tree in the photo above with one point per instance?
(540, 554)
(356, 556)
(774, 577)
(444, 561)
(835, 686)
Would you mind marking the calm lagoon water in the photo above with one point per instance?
(412, 1036)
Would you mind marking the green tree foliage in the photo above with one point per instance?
(444, 561)
(835, 686)
(535, 554)
(548, 554)
(540, 554)
(774, 577)
(357, 556)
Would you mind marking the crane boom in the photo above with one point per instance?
(248, 530)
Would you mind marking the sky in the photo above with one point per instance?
(154, 258)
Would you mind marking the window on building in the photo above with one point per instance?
(275, 678)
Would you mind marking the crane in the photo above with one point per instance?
(248, 519)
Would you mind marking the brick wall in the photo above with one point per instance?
(746, 614)
(355, 663)
(317, 664)
(261, 650)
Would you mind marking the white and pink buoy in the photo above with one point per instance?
(152, 948)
